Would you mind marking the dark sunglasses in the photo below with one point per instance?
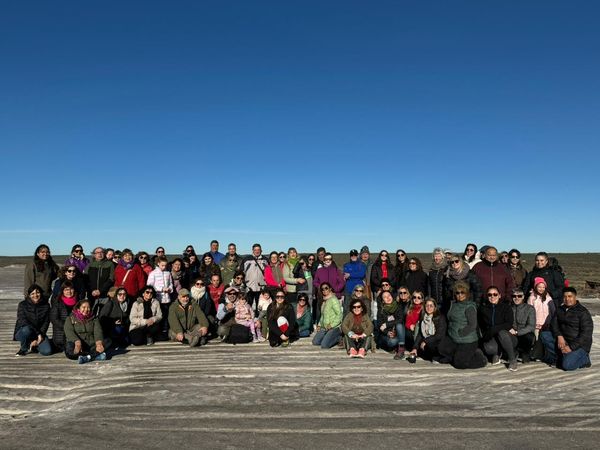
(280, 296)
(455, 261)
(78, 250)
(323, 289)
(71, 271)
(148, 292)
(493, 294)
(357, 307)
(518, 296)
(199, 284)
(416, 297)
(461, 293)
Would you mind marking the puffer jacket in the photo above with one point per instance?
(554, 282)
(575, 325)
(524, 318)
(136, 316)
(112, 312)
(58, 315)
(34, 315)
(494, 318)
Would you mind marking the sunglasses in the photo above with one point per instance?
(416, 297)
(125, 293)
(357, 307)
(71, 271)
(385, 255)
(385, 284)
(514, 257)
(493, 294)
(461, 293)
(359, 290)
(401, 254)
(412, 263)
(239, 278)
(327, 259)
(79, 250)
(325, 289)
(283, 257)
(199, 284)
(280, 296)
(231, 293)
(518, 296)
(455, 261)
(148, 292)
(160, 251)
(143, 257)
(403, 293)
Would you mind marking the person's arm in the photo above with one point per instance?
(46, 323)
(336, 313)
(440, 331)
(347, 324)
(530, 324)
(29, 277)
(471, 326)
(367, 326)
(70, 334)
(174, 324)
(586, 329)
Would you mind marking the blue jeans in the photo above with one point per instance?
(26, 335)
(568, 361)
(305, 333)
(327, 338)
(391, 342)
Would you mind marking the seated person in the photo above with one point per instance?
(33, 320)
(523, 329)
(430, 331)
(145, 318)
(187, 322)
(83, 334)
(357, 328)
(304, 315)
(495, 319)
(390, 318)
(114, 319)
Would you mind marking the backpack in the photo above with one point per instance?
(239, 334)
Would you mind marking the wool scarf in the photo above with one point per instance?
(81, 317)
(458, 274)
(427, 326)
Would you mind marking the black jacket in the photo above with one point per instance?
(575, 325)
(416, 281)
(436, 280)
(110, 313)
(390, 322)
(36, 315)
(377, 275)
(274, 331)
(494, 318)
(58, 314)
(441, 326)
(100, 276)
(475, 289)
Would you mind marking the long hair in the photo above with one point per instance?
(436, 311)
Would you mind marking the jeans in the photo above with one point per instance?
(327, 338)
(304, 333)
(391, 342)
(504, 340)
(26, 335)
(567, 361)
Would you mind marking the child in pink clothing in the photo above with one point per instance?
(244, 315)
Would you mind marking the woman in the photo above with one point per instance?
(129, 275)
(301, 270)
(283, 329)
(61, 307)
(470, 255)
(329, 274)
(504, 258)
(238, 282)
(401, 266)
(516, 269)
(33, 320)
(41, 271)
(160, 251)
(180, 277)
(192, 267)
(304, 315)
(292, 282)
(458, 270)
(328, 328)
(274, 273)
(358, 293)
(77, 258)
(382, 268)
(415, 279)
(412, 319)
(143, 259)
(311, 263)
(229, 266)
(460, 346)
(83, 333)
(390, 319)
(495, 321)
(72, 274)
(144, 318)
(430, 331)
(357, 329)
(208, 268)
(555, 281)
(114, 319)
(439, 265)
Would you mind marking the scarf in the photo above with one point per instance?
(277, 274)
(69, 301)
(300, 311)
(441, 265)
(198, 293)
(126, 266)
(83, 318)
(292, 262)
(458, 274)
(384, 270)
(147, 309)
(427, 326)
(357, 324)
(176, 274)
(390, 309)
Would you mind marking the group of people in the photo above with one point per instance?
(468, 310)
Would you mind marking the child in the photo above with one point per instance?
(545, 310)
(245, 316)
(162, 282)
(264, 301)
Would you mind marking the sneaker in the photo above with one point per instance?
(512, 366)
(399, 353)
(84, 359)
(526, 359)
(203, 340)
(194, 341)
(495, 360)
(21, 353)
(255, 340)
(361, 352)
(100, 357)
(352, 353)
(149, 341)
(285, 344)
(261, 339)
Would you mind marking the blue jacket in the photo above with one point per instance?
(357, 271)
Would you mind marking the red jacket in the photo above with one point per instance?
(135, 281)
(494, 275)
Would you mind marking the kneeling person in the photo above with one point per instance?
(187, 322)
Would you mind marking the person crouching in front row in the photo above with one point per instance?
(187, 322)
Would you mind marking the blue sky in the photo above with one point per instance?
(396, 124)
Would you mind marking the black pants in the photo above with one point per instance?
(462, 356)
(524, 344)
(85, 350)
(140, 336)
(429, 352)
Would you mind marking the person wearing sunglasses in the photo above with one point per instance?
(522, 332)
(283, 328)
(129, 274)
(145, 317)
(114, 320)
(237, 281)
(42, 270)
(390, 325)
(304, 315)
(60, 307)
(458, 270)
(553, 276)
(439, 266)
(492, 272)
(415, 279)
(516, 269)
(470, 255)
(357, 329)
(430, 331)
(274, 272)
(331, 275)
(400, 266)
(77, 258)
(382, 268)
(143, 259)
(354, 274)
(328, 328)
(70, 273)
(495, 321)
(411, 320)
(460, 346)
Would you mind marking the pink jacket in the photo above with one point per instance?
(544, 310)
(242, 312)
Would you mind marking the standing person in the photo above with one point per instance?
(354, 275)
(254, 269)
(217, 256)
(283, 329)
(42, 270)
(77, 258)
(180, 277)
(357, 329)
(390, 320)
(143, 259)
(100, 277)
(191, 266)
(208, 268)
(328, 329)
(274, 272)
(114, 319)
(301, 270)
(460, 346)
(60, 308)
(293, 283)
(229, 265)
(187, 322)
(416, 278)
(439, 267)
(162, 282)
(320, 257)
(382, 268)
(554, 278)
(365, 258)
(129, 274)
(145, 318)
(458, 270)
(470, 255)
(516, 269)
(83, 334)
(312, 265)
(523, 329)
(545, 310)
(572, 330)
(495, 321)
(401, 267)
(493, 273)
(304, 315)
(70, 273)
(160, 251)
(33, 320)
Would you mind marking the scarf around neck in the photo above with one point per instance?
(69, 301)
(427, 326)
(458, 274)
(83, 318)
(126, 266)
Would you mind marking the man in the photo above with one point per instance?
(354, 274)
(572, 328)
(522, 331)
(230, 264)
(254, 270)
(214, 251)
(100, 277)
(493, 273)
(187, 322)
(365, 258)
(226, 312)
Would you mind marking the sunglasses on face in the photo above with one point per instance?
(493, 294)
(403, 293)
(143, 257)
(79, 250)
(239, 278)
(71, 271)
(328, 259)
(357, 307)
(514, 257)
(401, 254)
(199, 284)
(385, 284)
(412, 263)
(417, 298)
(148, 292)
(460, 293)
(125, 293)
(455, 261)
(517, 296)
(280, 296)
(385, 255)
(359, 290)
(325, 289)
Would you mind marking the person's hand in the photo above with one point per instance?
(413, 352)
(95, 293)
(382, 327)
(203, 331)
(117, 322)
(423, 344)
(513, 331)
(229, 306)
(150, 321)
(328, 327)
(77, 349)
(179, 337)
(560, 341)
(566, 349)
(318, 328)
(412, 328)
(392, 333)
(283, 337)
(99, 347)
(300, 280)
(346, 276)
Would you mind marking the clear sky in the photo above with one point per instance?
(397, 124)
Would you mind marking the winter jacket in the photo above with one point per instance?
(89, 331)
(518, 274)
(136, 316)
(416, 281)
(112, 312)
(274, 331)
(58, 315)
(34, 315)
(228, 269)
(545, 310)
(206, 272)
(134, 282)
(161, 280)
(377, 275)
(475, 290)
(365, 324)
(81, 264)
(554, 282)
(524, 318)
(357, 271)
(207, 305)
(243, 312)
(289, 278)
(272, 279)
(575, 325)
(436, 284)
(254, 269)
(331, 313)
(100, 275)
(183, 318)
(441, 327)
(495, 318)
(390, 320)
(331, 275)
(42, 279)
(462, 322)
(495, 274)
(78, 284)
(305, 321)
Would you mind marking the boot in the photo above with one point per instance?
(399, 352)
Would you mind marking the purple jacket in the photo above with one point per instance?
(333, 276)
(81, 264)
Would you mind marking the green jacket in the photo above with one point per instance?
(89, 332)
(181, 320)
(366, 324)
(331, 313)
(462, 322)
(305, 322)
